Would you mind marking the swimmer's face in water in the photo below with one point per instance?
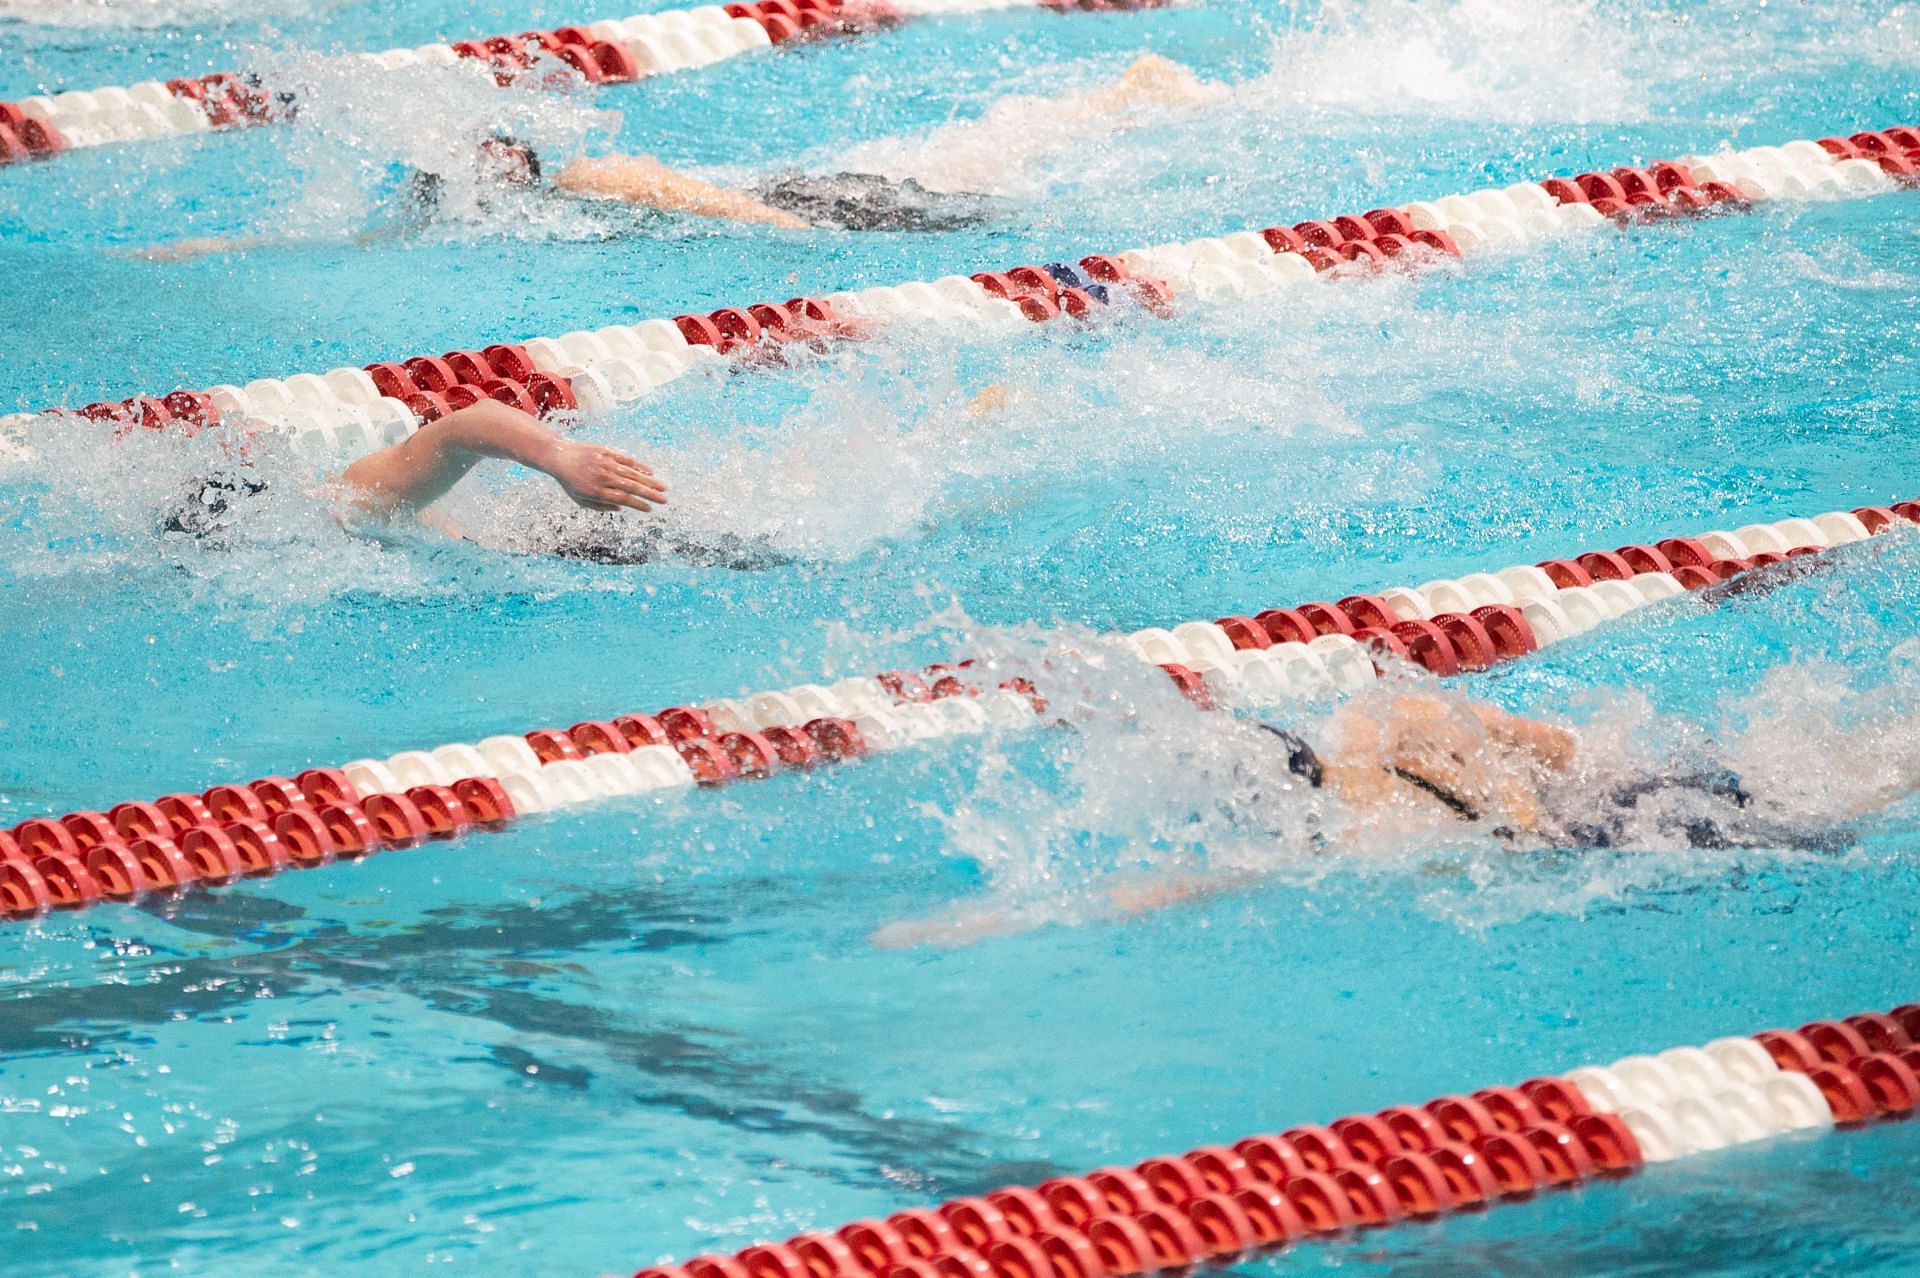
(204, 512)
(500, 161)
(509, 161)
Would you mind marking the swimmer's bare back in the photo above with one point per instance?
(410, 476)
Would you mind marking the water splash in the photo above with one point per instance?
(939, 430)
(1013, 147)
(1519, 61)
(372, 153)
(933, 431)
(1895, 40)
(1140, 801)
(1842, 264)
(108, 15)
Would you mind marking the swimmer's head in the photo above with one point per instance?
(500, 160)
(509, 161)
(204, 512)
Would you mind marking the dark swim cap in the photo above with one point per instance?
(506, 159)
(204, 511)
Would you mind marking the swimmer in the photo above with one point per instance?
(935, 197)
(404, 480)
(1416, 765)
(929, 199)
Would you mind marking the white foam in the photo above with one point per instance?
(1523, 61)
(1012, 146)
(107, 15)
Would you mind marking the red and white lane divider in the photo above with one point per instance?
(613, 50)
(943, 8)
(352, 410)
(621, 49)
(1220, 1203)
(1448, 626)
(1456, 625)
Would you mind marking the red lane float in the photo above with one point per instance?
(259, 828)
(1219, 1202)
(231, 831)
(26, 137)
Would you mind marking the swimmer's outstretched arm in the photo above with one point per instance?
(643, 180)
(1150, 81)
(1121, 898)
(419, 470)
(189, 250)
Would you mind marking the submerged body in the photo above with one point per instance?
(1416, 766)
(1428, 764)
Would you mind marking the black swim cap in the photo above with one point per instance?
(204, 511)
(506, 159)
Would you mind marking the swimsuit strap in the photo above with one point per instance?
(1452, 801)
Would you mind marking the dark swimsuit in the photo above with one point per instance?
(1622, 806)
(866, 202)
(204, 510)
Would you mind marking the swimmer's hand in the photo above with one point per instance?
(602, 478)
(956, 929)
(204, 246)
(950, 931)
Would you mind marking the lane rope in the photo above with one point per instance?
(609, 51)
(258, 828)
(350, 411)
(1221, 1203)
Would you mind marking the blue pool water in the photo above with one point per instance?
(659, 1027)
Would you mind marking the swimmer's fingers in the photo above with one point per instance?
(641, 484)
(623, 485)
(601, 478)
(629, 470)
(634, 501)
(623, 461)
(617, 499)
(620, 474)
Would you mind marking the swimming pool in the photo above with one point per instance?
(655, 1027)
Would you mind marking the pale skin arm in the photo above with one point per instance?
(1127, 898)
(1150, 81)
(1424, 720)
(1551, 747)
(418, 471)
(643, 180)
(213, 245)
